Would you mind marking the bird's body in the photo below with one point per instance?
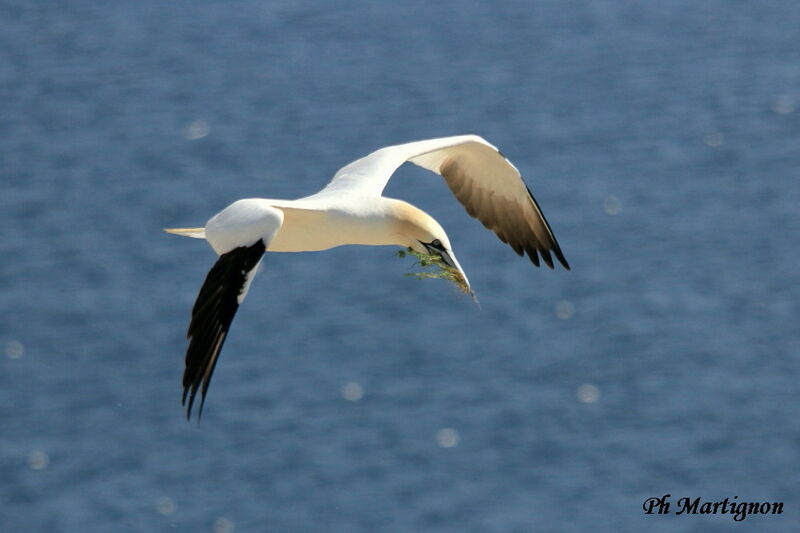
(352, 210)
(312, 225)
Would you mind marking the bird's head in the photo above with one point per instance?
(424, 235)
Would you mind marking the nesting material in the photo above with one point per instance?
(434, 267)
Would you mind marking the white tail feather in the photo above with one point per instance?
(195, 233)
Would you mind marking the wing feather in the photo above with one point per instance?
(212, 315)
(488, 186)
(515, 218)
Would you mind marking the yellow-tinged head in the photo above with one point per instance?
(416, 229)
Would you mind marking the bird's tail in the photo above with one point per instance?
(195, 233)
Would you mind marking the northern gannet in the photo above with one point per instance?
(352, 210)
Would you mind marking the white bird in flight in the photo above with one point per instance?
(352, 210)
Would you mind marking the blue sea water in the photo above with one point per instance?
(662, 140)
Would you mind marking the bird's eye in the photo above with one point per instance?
(436, 243)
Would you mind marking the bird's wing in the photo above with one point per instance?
(241, 233)
(482, 179)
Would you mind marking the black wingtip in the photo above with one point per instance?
(200, 409)
(191, 392)
(533, 256)
(548, 260)
(212, 314)
(560, 256)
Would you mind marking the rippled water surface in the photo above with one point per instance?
(662, 140)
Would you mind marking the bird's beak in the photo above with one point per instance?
(450, 260)
(445, 255)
